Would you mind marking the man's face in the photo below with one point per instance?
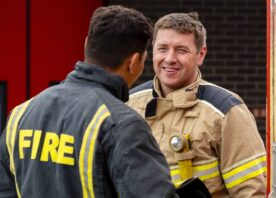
(175, 59)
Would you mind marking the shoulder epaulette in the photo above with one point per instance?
(218, 97)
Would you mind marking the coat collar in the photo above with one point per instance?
(94, 73)
(181, 98)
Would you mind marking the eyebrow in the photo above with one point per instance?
(176, 47)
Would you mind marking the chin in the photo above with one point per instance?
(173, 86)
(170, 84)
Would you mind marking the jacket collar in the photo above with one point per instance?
(94, 73)
(181, 98)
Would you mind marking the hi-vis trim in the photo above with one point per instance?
(204, 172)
(175, 174)
(207, 171)
(139, 92)
(87, 151)
(11, 134)
(245, 172)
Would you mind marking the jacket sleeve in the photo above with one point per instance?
(243, 156)
(136, 165)
(7, 185)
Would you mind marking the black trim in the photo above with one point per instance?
(154, 93)
(151, 108)
(218, 97)
(28, 49)
(152, 105)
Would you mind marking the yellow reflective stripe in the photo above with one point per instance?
(243, 167)
(207, 171)
(8, 131)
(205, 167)
(10, 136)
(247, 177)
(245, 172)
(175, 172)
(87, 151)
(176, 179)
(203, 172)
(209, 176)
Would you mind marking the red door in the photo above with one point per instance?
(40, 43)
(58, 31)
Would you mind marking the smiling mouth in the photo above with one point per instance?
(170, 69)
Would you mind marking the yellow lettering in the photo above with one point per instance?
(60, 149)
(23, 143)
(65, 149)
(36, 140)
(50, 146)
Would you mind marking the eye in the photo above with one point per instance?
(182, 51)
(161, 49)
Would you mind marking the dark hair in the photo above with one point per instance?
(115, 33)
(183, 23)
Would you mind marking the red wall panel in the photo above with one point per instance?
(40, 43)
(58, 31)
(13, 50)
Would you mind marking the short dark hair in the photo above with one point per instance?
(183, 23)
(115, 33)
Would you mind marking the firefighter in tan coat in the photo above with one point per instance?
(203, 129)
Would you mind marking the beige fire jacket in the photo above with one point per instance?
(227, 152)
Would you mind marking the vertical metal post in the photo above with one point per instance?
(271, 70)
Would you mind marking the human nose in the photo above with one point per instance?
(170, 57)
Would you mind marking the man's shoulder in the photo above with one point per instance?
(123, 115)
(141, 95)
(219, 97)
(142, 88)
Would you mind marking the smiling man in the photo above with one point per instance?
(203, 129)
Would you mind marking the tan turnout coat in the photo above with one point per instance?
(227, 151)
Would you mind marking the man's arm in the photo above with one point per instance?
(243, 156)
(136, 164)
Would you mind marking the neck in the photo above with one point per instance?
(165, 90)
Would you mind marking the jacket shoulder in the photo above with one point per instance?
(220, 98)
(141, 88)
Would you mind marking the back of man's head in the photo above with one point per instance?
(183, 23)
(115, 33)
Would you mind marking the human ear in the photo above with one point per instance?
(134, 61)
(201, 56)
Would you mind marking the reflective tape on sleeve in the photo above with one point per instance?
(207, 171)
(245, 171)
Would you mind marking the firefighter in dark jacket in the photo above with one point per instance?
(78, 139)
